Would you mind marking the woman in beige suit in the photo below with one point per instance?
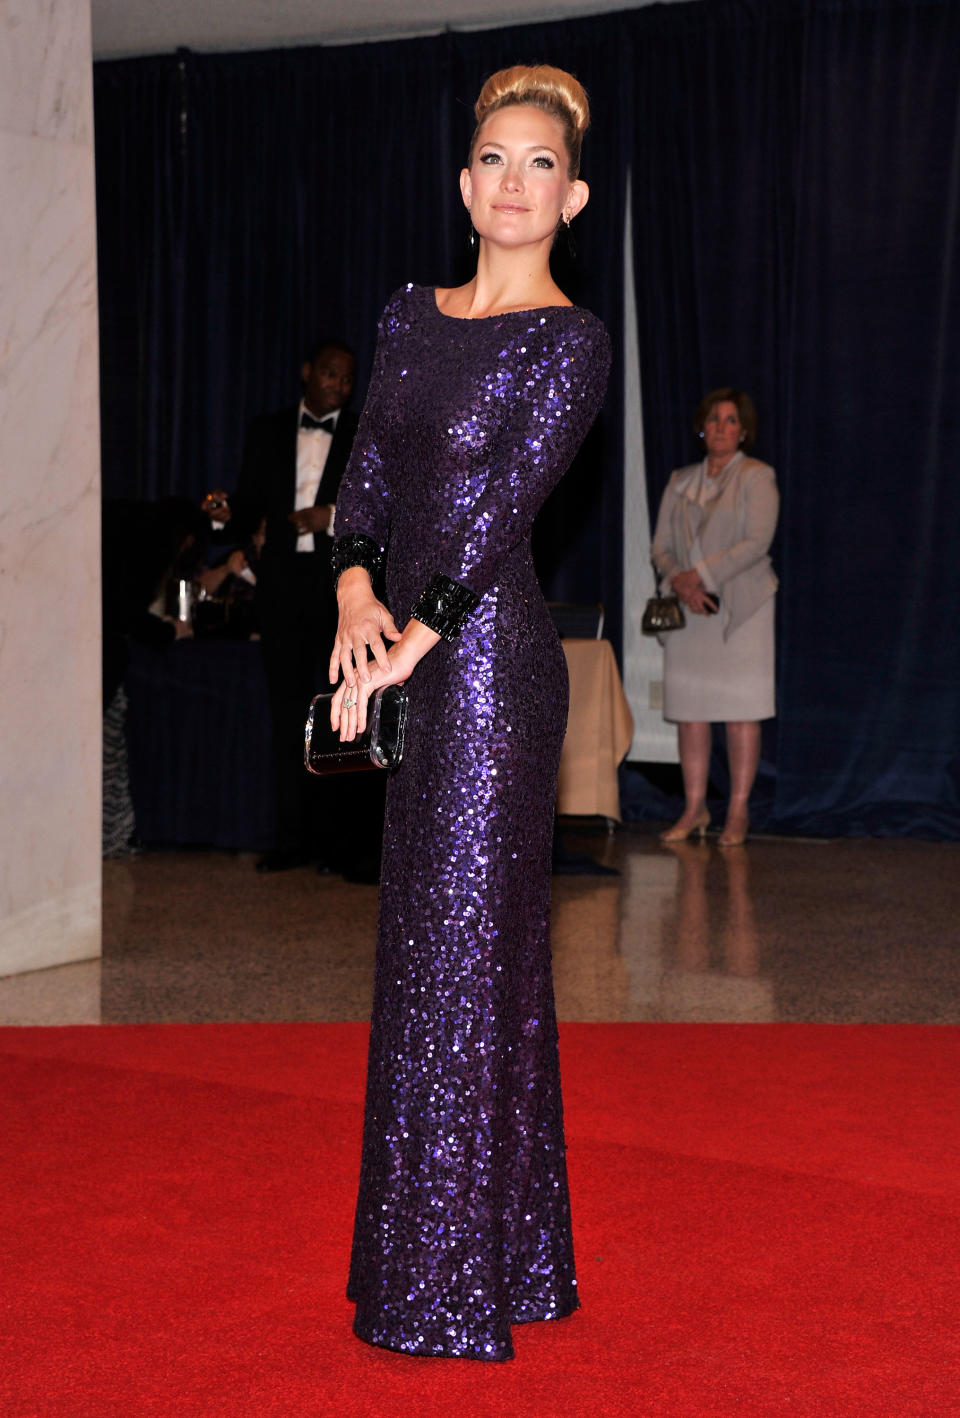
(716, 522)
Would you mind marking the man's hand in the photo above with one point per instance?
(311, 519)
(182, 629)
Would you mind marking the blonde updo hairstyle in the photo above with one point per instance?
(540, 85)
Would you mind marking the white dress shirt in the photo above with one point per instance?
(313, 448)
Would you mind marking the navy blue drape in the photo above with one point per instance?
(244, 211)
(796, 187)
(870, 738)
(140, 159)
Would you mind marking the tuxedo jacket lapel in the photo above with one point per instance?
(338, 457)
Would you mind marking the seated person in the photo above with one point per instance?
(146, 547)
(226, 607)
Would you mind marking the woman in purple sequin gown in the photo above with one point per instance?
(479, 399)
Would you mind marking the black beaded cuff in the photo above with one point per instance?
(445, 606)
(355, 549)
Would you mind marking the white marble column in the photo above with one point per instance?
(50, 719)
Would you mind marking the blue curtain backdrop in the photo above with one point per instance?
(796, 202)
(247, 204)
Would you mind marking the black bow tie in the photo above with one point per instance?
(308, 421)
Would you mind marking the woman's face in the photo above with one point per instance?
(518, 185)
(722, 430)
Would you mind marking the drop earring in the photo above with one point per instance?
(571, 244)
(472, 238)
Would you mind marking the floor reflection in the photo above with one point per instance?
(711, 945)
(673, 938)
(837, 932)
(828, 931)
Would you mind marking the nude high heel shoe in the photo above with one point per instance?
(733, 834)
(697, 827)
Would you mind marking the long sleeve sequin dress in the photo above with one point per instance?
(463, 1220)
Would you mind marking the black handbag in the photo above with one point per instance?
(379, 746)
(662, 613)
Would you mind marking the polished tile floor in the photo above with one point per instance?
(832, 931)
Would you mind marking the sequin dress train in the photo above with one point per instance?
(463, 1221)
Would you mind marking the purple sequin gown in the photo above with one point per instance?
(463, 1219)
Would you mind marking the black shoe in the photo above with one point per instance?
(282, 859)
(364, 872)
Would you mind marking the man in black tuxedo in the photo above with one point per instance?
(293, 461)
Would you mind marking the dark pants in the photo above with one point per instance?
(338, 820)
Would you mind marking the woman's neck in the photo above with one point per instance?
(517, 279)
(715, 466)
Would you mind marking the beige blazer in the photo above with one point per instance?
(732, 534)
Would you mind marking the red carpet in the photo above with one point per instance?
(768, 1223)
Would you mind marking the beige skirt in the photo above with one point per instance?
(707, 679)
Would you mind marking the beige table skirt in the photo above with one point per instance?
(599, 732)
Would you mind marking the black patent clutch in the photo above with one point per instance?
(379, 746)
(662, 613)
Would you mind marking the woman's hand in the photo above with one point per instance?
(364, 623)
(693, 593)
(348, 708)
